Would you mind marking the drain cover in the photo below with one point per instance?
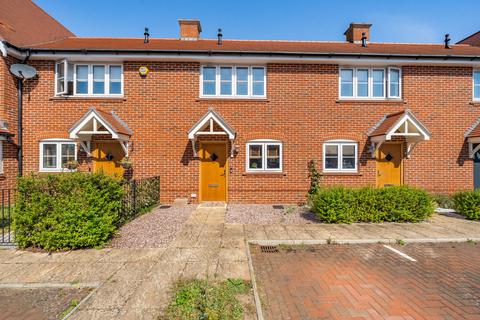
(278, 206)
(269, 249)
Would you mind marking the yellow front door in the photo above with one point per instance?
(213, 171)
(389, 165)
(106, 158)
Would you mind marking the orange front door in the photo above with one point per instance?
(213, 171)
(106, 158)
(389, 165)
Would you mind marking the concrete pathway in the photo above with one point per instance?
(137, 283)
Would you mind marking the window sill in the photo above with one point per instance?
(264, 173)
(340, 174)
(370, 101)
(233, 99)
(76, 98)
(475, 103)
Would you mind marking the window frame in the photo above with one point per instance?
(339, 144)
(473, 85)
(90, 66)
(399, 83)
(234, 94)
(58, 143)
(264, 143)
(386, 83)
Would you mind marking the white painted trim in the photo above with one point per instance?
(399, 123)
(339, 144)
(210, 115)
(475, 70)
(1, 157)
(359, 59)
(3, 49)
(234, 95)
(58, 143)
(74, 133)
(264, 144)
(399, 83)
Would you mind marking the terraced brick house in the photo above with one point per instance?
(238, 120)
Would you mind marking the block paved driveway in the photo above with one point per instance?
(369, 281)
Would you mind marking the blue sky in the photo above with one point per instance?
(393, 21)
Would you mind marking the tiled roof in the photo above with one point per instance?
(258, 46)
(473, 40)
(474, 131)
(23, 23)
(387, 123)
(115, 122)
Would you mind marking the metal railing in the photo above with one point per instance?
(6, 214)
(140, 195)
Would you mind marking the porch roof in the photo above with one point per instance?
(474, 131)
(96, 121)
(206, 126)
(403, 124)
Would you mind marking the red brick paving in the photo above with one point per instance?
(370, 282)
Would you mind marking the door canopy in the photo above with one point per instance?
(98, 122)
(400, 124)
(211, 123)
(473, 138)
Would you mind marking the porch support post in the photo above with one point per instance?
(410, 147)
(374, 148)
(85, 145)
(232, 147)
(125, 146)
(472, 150)
(194, 141)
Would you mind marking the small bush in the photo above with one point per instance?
(467, 203)
(199, 299)
(444, 201)
(66, 211)
(342, 205)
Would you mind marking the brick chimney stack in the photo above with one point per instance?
(355, 31)
(189, 29)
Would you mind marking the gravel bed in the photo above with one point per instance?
(268, 214)
(155, 229)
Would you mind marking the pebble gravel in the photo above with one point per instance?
(268, 214)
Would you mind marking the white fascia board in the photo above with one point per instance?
(405, 118)
(253, 59)
(90, 117)
(3, 49)
(192, 133)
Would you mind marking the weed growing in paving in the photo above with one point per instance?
(73, 304)
(400, 242)
(471, 241)
(200, 299)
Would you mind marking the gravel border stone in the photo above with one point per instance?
(155, 229)
(261, 214)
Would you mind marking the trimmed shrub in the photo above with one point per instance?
(467, 203)
(66, 211)
(342, 205)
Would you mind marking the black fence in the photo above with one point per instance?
(140, 196)
(6, 214)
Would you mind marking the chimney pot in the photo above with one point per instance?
(357, 31)
(190, 29)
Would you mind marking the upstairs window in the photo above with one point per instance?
(88, 79)
(369, 83)
(476, 85)
(340, 156)
(233, 81)
(264, 155)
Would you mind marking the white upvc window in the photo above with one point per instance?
(224, 81)
(369, 83)
(340, 156)
(84, 79)
(264, 155)
(56, 153)
(476, 85)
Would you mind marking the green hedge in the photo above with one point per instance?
(467, 203)
(66, 211)
(342, 205)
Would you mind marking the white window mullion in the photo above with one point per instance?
(107, 79)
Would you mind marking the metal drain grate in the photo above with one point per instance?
(278, 206)
(269, 249)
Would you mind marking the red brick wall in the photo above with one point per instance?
(8, 112)
(302, 110)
